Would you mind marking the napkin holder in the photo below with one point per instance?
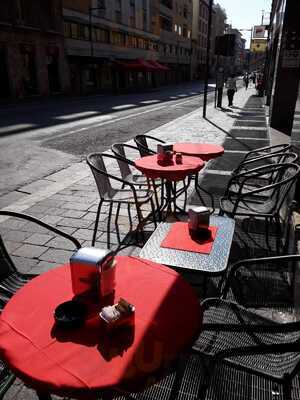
(86, 270)
(198, 219)
(164, 147)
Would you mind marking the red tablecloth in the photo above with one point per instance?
(173, 172)
(180, 238)
(79, 362)
(206, 151)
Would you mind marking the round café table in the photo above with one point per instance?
(82, 362)
(171, 173)
(206, 151)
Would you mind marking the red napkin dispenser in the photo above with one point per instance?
(85, 265)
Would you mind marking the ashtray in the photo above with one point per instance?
(70, 314)
(121, 313)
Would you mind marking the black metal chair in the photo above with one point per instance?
(266, 284)
(268, 150)
(7, 378)
(128, 170)
(10, 278)
(276, 208)
(241, 340)
(145, 144)
(278, 157)
(127, 193)
(268, 160)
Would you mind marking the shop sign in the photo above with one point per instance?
(259, 31)
(258, 45)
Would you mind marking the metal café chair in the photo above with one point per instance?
(268, 160)
(266, 284)
(10, 278)
(144, 142)
(126, 193)
(261, 153)
(239, 340)
(275, 209)
(129, 172)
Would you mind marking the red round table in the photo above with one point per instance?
(172, 173)
(206, 151)
(80, 362)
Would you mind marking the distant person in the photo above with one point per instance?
(231, 89)
(253, 78)
(246, 81)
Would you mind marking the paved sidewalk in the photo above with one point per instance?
(68, 199)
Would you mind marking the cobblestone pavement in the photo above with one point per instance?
(68, 199)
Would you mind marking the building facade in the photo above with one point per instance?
(199, 37)
(131, 45)
(32, 60)
(218, 29)
(283, 64)
(238, 60)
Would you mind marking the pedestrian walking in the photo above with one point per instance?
(254, 78)
(246, 81)
(231, 89)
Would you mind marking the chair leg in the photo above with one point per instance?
(108, 225)
(97, 222)
(140, 218)
(116, 223)
(287, 388)
(129, 217)
(278, 234)
(156, 198)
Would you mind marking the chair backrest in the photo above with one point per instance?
(118, 149)
(143, 144)
(261, 151)
(7, 266)
(97, 165)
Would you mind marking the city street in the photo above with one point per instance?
(39, 138)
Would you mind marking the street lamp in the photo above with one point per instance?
(207, 56)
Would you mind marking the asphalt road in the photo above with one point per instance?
(39, 138)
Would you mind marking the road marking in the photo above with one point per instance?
(77, 115)
(123, 107)
(17, 127)
(113, 120)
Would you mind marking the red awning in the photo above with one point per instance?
(159, 66)
(136, 65)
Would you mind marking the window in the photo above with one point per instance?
(179, 30)
(145, 17)
(101, 8)
(67, 29)
(102, 35)
(166, 23)
(185, 11)
(132, 42)
(132, 21)
(84, 32)
(20, 10)
(167, 3)
(118, 17)
(74, 31)
(184, 31)
(118, 5)
(118, 39)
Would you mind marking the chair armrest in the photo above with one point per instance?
(43, 224)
